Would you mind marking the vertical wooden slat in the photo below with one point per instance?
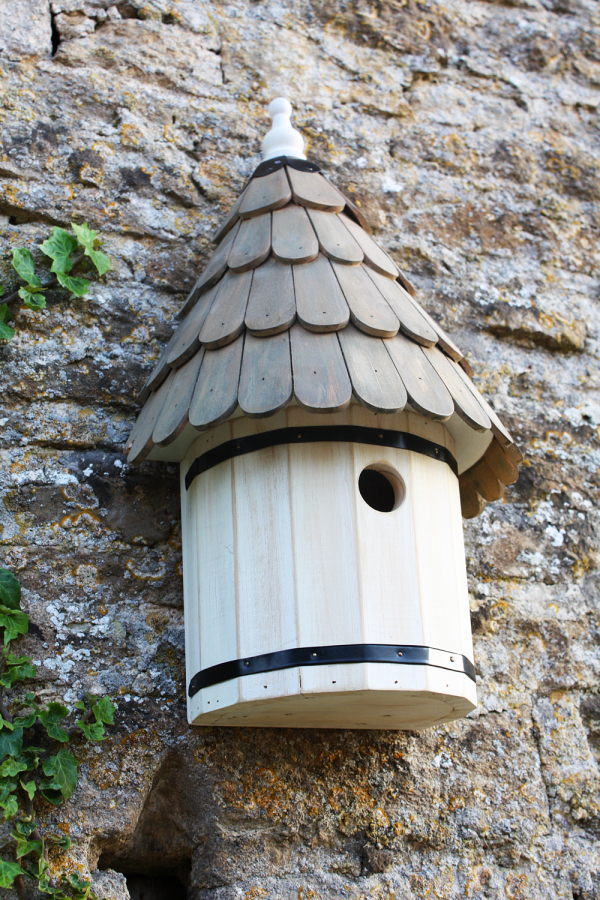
(225, 319)
(335, 240)
(320, 376)
(266, 375)
(272, 302)
(368, 309)
(312, 190)
(375, 381)
(252, 244)
(374, 255)
(215, 394)
(265, 194)
(265, 567)
(320, 303)
(294, 239)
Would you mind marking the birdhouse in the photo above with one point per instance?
(328, 433)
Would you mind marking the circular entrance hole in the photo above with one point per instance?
(381, 488)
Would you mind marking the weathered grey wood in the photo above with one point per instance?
(174, 414)
(368, 309)
(215, 394)
(426, 391)
(225, 319)
(320, 303)
(252, 244)
(294, 239)
(216, 268)
(157, 375)
(141, 437)
(444, 340)
(321, 380)
(312, 190)
(272, 303)
(412, 322)
(335, 240)
(375, 381)
(374, 255)
(500, 431)
(467, 407)
(265, 194)
(187, 336)
(266, 376)
(234, 214)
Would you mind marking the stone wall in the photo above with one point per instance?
(469, 133)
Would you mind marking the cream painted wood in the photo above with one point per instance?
(315, 565)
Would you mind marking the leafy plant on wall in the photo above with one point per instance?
(37, 767)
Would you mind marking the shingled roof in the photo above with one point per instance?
(299, 304)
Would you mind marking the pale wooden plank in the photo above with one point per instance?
(215, 269)
(252, 244)
(426, 391)
(320, 303)
(272, 302)
(265, 194)
(368, 309)
(190, 587)
(412, 322)
(215, 395)
(387, 556)
(313, 190)
(500, 431)
(335, 240)
(444, 339)
(325, 541)
(216, 579)
(465, 403)
(264, 566)
(187, 337)
(225, 319)
(321, 380)
(266, 376)
(230, 220)
(294, 239)
(174, 414)
(142, 442)
(375, 381)
(374, 255)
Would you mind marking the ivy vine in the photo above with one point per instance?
(59, 247)
(36, 766)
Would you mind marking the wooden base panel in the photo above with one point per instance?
(362, 696)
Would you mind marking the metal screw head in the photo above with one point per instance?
(451, 659)
(247, 663)
(314, 654)
(399, 653)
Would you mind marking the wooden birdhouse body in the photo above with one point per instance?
(282, 553)
(329, 435)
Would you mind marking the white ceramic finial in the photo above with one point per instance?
(282, 139)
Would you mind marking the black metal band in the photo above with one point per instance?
(356, 434)
(271, 165)
(410, 655)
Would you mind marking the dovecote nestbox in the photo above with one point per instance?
(327, 431)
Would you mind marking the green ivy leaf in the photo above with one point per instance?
(59, 247)
(29, 788)
(62, 772)
(103, 709)
(2, 290)
(18, 669)
(89, 239)
(80, 705)
(6, 332)
(93, 731)
(59, 840)
(8, 872)
(11, 742)
(13, 622)
(24, 846)
(25, 266)
(32, 300)
(50, 719)
(26, 721)
(10, 590)
(14, 765)
(77, 286)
